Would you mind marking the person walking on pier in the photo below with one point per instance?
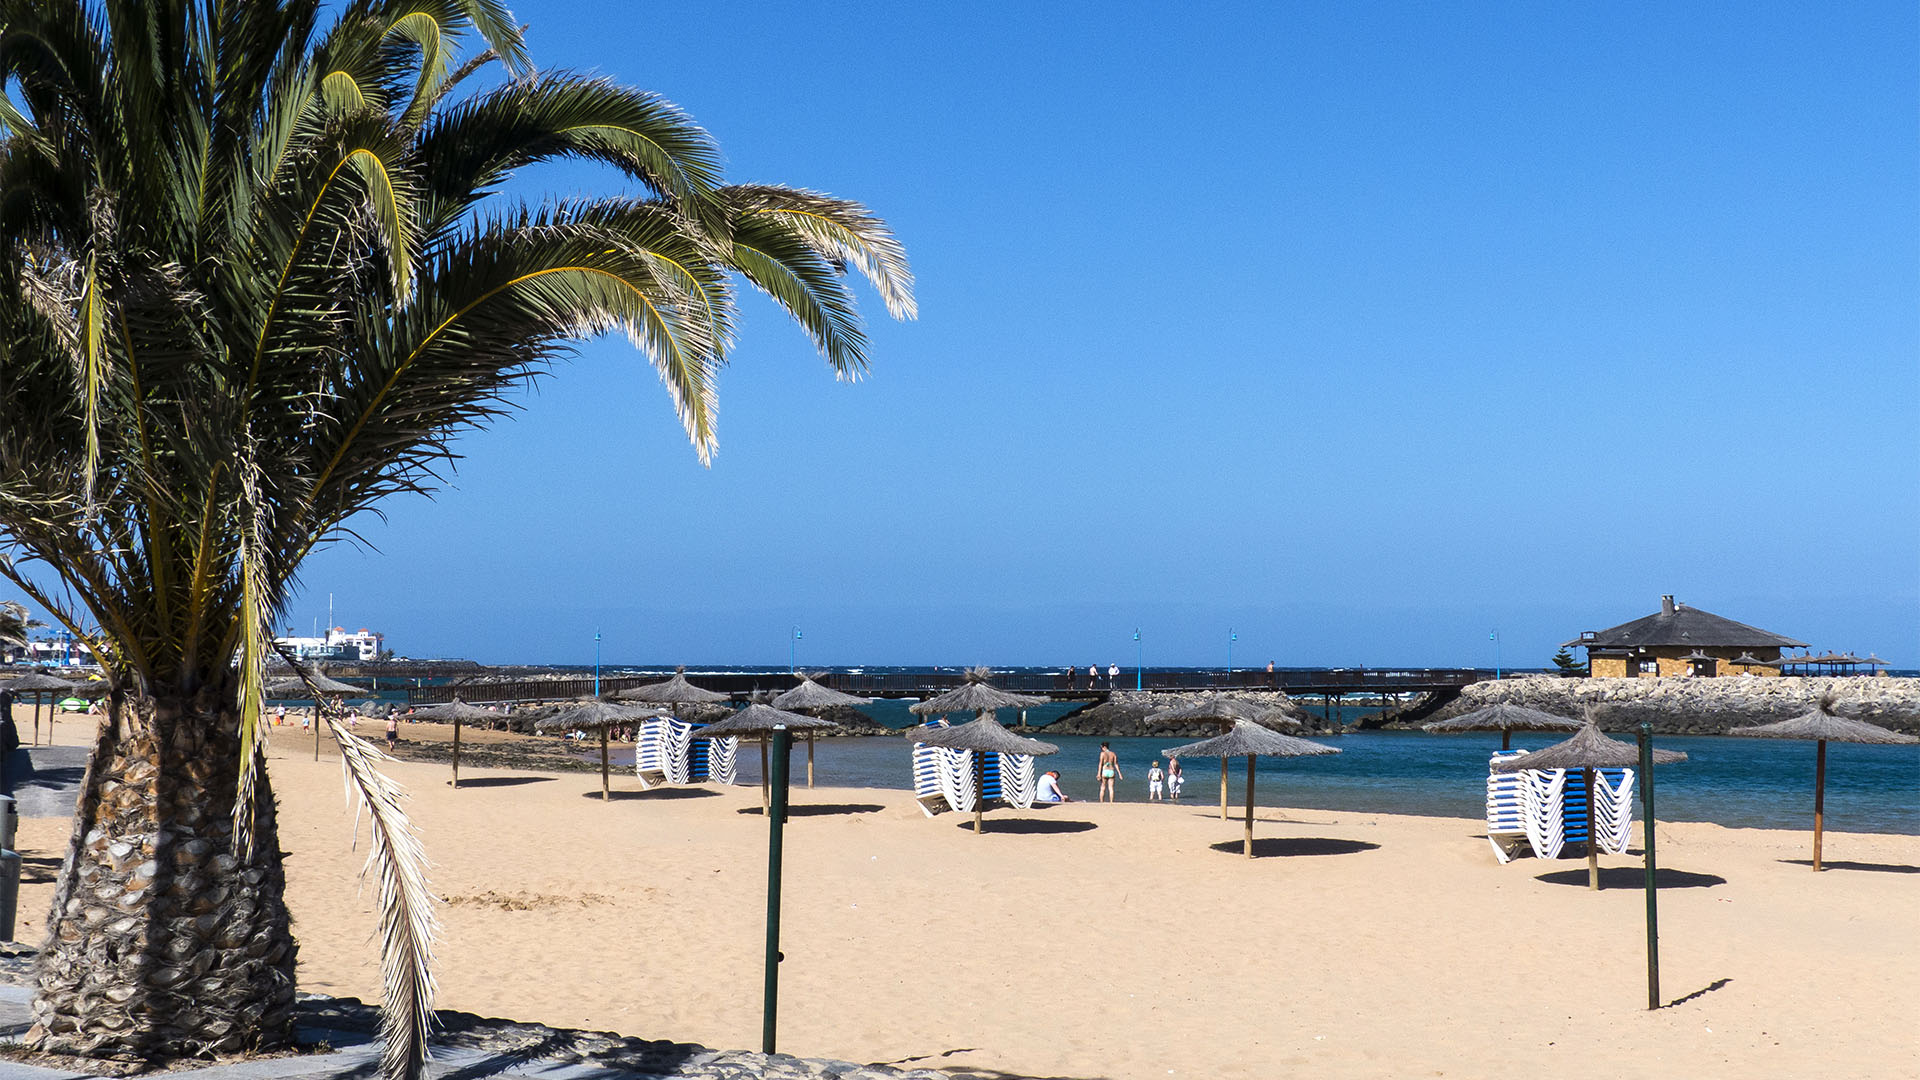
(1113, 676)
(1093, 677)
(1109, 772)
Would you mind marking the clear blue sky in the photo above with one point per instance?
(1361, 330)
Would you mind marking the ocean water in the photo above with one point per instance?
(1740, 783)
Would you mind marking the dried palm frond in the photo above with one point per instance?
(407, 921)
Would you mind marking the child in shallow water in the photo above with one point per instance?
(1155, 778)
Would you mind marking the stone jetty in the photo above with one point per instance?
(1698, 706)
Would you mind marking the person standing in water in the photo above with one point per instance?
(1155, 778)
(1109, 772)
(1174, 779)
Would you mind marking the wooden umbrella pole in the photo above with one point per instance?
(1223, 789)
(1819, 799)
(456, 752)
(809, 759)
(1593, 834)
(316, 729)
(606, 789)
(37, 695)
(1251, 758)
(1506, 738)
(765, 801)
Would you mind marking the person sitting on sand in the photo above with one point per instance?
(1047, 789)
(1109, 772)
(1155, 778)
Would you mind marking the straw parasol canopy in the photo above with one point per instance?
(760, 720)
(310, 686)
(982, 736)
(811, 697)
(595, 715)
(975, 695)
(1823, 725)
(1587, 750)
(1252, 741)
(674, 691)
(1505, 719)
(456, 712)
(40, 684)
(1225, 710)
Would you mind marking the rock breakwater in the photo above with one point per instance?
(1124, 715)
(1677, 706)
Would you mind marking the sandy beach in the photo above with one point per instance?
(1113, 941)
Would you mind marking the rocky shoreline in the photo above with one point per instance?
(1677, 706)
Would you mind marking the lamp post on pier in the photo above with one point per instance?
(1494, 636)
(1231, 638)
(596, 663)
(1138, 679)
(791, 643)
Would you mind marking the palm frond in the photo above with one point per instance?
(408, 924)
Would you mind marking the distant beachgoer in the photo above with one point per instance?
(306, 721)
(1113, 672)
(393, 732)
(1269, 673)
(1047, 789)
(1174, 779)
(1093, 676)
(1155, 779)
(279, 716)
(1109, 772)
(1073, 673)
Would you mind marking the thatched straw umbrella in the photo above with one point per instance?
(457, 712)
(1823, 725)
(312, 685)
(982, 736)
(1253, 740)
(760, 720)
(674, 691)
(1587, 750)
(976, 695)
(1225, 710)
(596, 715)
(813, 699)
(39, 685)
(1505, 719)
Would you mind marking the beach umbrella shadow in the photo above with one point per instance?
(1869, 867)
(1036, 826)
(1268, 847)
(1627, 877)
(656, 795)
(818, 809)
(505, 781)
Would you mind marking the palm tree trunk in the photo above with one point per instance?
(164, 941)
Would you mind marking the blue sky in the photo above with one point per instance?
(1361, 330)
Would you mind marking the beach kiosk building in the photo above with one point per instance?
(1682, 640)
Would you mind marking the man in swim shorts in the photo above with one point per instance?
(1109, 772)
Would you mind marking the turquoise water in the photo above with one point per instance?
(1741, 783)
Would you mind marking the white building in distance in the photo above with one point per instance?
(362, 645)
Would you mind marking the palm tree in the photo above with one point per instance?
(14, 623)
(259, 276)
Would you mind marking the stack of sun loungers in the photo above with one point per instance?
(943, 778)
(1546, 810)
(667, 753)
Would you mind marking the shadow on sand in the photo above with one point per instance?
(1633, 877)
(1702, 992)
(503, 781)
(1871, 867)
(660, 794)
(821, 809)
(38, 869)
(1028, 826)
(1269, 847)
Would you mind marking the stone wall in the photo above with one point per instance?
(1700, 706)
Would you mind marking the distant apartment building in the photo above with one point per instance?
(362, 645)
(1682, 640)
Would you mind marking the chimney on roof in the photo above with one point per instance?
(1666, 605)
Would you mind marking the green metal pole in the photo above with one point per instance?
(1653, 889)
(777, 819)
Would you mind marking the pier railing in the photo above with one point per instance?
(1313, 682)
